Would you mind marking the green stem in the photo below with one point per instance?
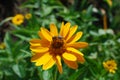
(55, 75)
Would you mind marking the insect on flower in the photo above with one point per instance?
(52, 47)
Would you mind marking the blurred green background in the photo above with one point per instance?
(91, 17)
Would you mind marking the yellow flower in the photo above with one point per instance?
(2, 45)
(18, 19)
(110, 65)
(28, 16)
(53, 46)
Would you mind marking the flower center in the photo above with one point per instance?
(110, 65)
(57, 42)
(57, 46)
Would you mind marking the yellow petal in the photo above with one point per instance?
(44, 43)
(59, 64)
(78, 45)
(41, 36)
(46, 34)
(112, 71)
(79, 58)
(71, 32)
(74, 50)
(36, 57)
(69, 57)
(66, 29)
(49, 64)
(75, 37)
(71, 64)
(53, 30)
(61, 29)
(43, 39)
(43, 59)
(39, 42)
(39, 49)
(35, 42)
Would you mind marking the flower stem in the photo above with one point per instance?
(55, 74)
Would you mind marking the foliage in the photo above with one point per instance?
(103, 44)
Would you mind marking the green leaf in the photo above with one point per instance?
(89, 10)
(46, 75)
(22, 37)
(16, 70)
(7, 41)
(75, 75)
(19, 70)
(1, 75)
(5, 20)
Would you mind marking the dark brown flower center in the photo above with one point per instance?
(18, 19)
(110, 65)
(57, 46)
(57, 42)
